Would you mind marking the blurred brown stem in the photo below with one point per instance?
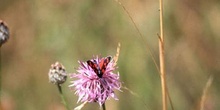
(0, 73)
(205, 91)
(0, 80)
(161, 55)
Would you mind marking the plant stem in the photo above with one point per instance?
(139, 32)
(0, 80)
(62, 97)
(103, 106)
(0, 73)
(161, 55)
(205, 92)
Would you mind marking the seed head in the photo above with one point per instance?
(4, 32)
(57, 73)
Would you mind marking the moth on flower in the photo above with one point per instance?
(96, 81)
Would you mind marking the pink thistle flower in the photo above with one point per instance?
(96, 80)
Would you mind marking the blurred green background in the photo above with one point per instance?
(46, 31)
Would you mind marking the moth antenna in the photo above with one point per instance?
(117, 54)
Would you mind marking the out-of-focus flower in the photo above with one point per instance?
(4, 32)
(57, 73)
(96, 80)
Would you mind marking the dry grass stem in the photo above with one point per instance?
(171, 102)
(117, 54)
(136, 95)
(142, 37)
(205, 91)
(161, 56)
(161, 70)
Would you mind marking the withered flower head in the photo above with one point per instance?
(57, 73)
(4, 32)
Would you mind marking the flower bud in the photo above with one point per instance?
(4, 33)
(57, 73)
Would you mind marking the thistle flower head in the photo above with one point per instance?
(4, 32)
(96, 80)
(57, 73)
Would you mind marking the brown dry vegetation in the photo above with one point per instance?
(46, 31)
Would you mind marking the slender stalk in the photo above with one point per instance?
(0, 73)
(103, 106)
(0, 80)
(205, 92)
(62, 97)
(4, 36)
(161, 56)
(139, 32)
(147, 47)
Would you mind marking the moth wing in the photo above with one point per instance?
(104, 62)
(93, 65)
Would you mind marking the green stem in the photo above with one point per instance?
(103, 106)
(0, 80)
(62, 97)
